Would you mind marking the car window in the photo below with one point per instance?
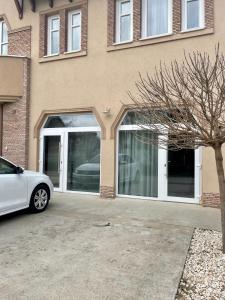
(6, 167)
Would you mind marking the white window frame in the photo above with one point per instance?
(201, 16)
(118, 18)
(145, 20)
(1, 36)
(50, 31)
(70, 27)
(162, 171)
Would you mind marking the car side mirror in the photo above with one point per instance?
(19, 170)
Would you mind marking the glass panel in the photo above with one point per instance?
(76, 19)
(55, 42)
(6, 167)
(4, 49)
(138, 164)
(193, 14)
(125, 8)
(181, 165)
(78, 120)
(83, 161)
(52, 158)
(125, 28)
(157, 17)
(130, 118)
(76, 38)
(4, 33)
(55, 24)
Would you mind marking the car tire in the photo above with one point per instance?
(39, 199)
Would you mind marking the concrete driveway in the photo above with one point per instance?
(84, 247)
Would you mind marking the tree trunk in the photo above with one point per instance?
(220, 174)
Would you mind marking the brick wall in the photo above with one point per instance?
(211, 200)
(63, 14)
(177, 17)
(107, 192)
(20, 42)
(16, 115)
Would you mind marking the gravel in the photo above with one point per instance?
(204, 271)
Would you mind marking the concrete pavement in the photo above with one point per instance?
(84, 247)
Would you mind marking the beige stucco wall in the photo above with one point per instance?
(11, 78)
(102, 78)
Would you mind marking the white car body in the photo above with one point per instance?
(16, 189)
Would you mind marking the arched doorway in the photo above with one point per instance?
(70, 152)
(145, 170)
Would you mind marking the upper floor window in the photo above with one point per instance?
(53, 35)
(74, 31)
(193, 14)
(157, 17)
(124, 20)
(3, 38)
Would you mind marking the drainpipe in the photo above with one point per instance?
(1, 127)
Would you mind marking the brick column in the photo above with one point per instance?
(16, 115)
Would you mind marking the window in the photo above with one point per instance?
(193, 14)
(53, 35)
(74, 31)
(124, 21)
(157, 17)
(6, 167)
(3, 38)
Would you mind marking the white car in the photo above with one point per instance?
(21, 189)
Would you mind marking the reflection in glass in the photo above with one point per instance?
(125, 23)
(193, 14)
(138, 164)
(52, 158)
(70, 120)
(76, 38)
(83, 161)
(55, 42)
(181, 173)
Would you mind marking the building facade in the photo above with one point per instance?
(66, 67)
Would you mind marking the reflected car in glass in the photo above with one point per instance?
(20, 189)
(89, 173)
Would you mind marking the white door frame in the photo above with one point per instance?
(53, 132)
(162, 173)
(63, 132)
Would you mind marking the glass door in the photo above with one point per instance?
(51, 164)
(181, 173)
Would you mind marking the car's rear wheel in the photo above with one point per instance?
(39, 199)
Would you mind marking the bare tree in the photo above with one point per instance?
(184, 104)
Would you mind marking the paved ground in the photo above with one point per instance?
(68, 252)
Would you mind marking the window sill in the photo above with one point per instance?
(162, 39)
(66, 55)
(155, 36)
(122, 43)
(193, 29)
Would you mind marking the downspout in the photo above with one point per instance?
(1, 127)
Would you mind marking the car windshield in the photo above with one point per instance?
(95, 160)
(6, 167)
